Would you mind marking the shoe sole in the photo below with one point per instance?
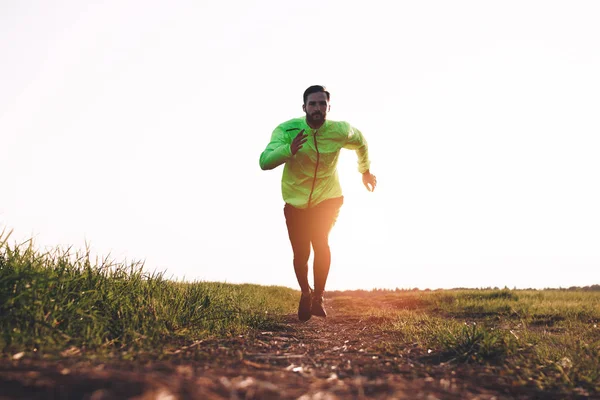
(304, 318)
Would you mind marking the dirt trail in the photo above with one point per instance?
(338, 357)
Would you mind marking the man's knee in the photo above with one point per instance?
(301, 260)
(321, 246)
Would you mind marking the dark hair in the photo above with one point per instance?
(315, 89)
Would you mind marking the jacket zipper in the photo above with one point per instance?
(316, 169)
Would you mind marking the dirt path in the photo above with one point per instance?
(322, 359)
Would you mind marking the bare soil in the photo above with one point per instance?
(339, 357)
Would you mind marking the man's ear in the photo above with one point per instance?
(304, 107)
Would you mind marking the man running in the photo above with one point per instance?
(310, 146)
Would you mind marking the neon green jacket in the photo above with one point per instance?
(310, 176)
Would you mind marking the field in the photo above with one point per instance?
(76, 329)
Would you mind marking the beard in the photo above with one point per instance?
(315, 118)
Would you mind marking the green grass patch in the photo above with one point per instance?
(549, 338)
(51, 300)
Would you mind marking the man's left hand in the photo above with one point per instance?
(369, 180)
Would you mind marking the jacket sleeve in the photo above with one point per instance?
(356, 141)
(277, 152)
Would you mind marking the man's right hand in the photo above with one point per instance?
(298, 141)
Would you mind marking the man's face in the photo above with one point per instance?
(316, 108)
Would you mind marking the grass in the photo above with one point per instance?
(52, 300)
(549, 339)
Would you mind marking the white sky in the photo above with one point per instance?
(137, 127)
